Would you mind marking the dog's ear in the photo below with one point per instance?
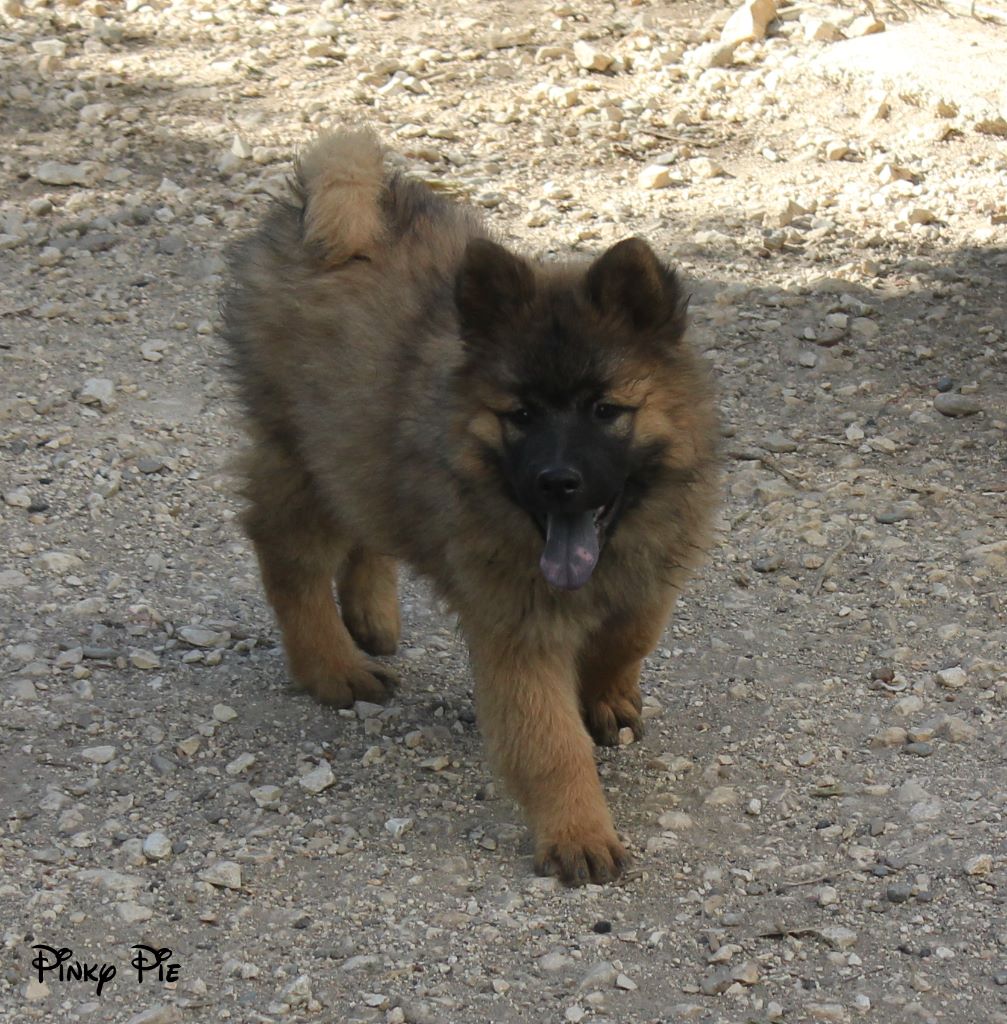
(493, 288)
(628, 282)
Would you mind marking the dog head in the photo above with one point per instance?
(579, 390)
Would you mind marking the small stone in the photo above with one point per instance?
(957, 730)
(60, 561)
(952, 678)
(711, 55)
(590, 58)
(318, 778)
(133, 913)
(839, 937)
(979, 865)
(18, 497)
(715, 983)
(397, 827)
(920, 215)
(746, 973)
(52, 172)
(893, 736)
(626, 983)
(196, 636)
(224, 713)
(898, 892)
(654, 176)
(161, 1014)
(827, 896)
(865, 25)
(98, 755)
(955, 405)
(156, 846)
(808, 359)
(240, 764)
(600, 976)
(818, 30)
(704, 167)
(143, 659)
(722, 796)
(98, 391)
(554, 961)
(827, 1011)
(836, 150)
(748, 22)
(267, 797)
(224, 874)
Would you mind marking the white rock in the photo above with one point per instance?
(704, 167)
(979, 865)
(98, 755)
(654, 176)
(267, 796)
(98, 391)
(865, 25)
(143, 659)
(60, 561)
(748, 22)
(819, 30)
(52, 172)
(17, 497)
(224, 713)
(626, 983)
(952, 678)
(224, 874)
(397, 827)
(241, 763)
(133, 913)
(590, 58)
(156, 846)
(318, 778)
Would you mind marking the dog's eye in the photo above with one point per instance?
(520, 417)
(605, 412)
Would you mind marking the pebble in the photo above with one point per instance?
(98, 755)
(749, 22)
(601, 976)
(224, 713)
(199, 637)
(143, 659)
(952, 678)
(240, 764)
(223, 874)
(625, 983)
(982, 864)
(98, 391)
(397, 827)
(318, 779)
(164, 1013)
(655, 176)
(956, 405)
(590, 58)
(18, 497)
(267, 796)
(156, 846)
(52, 172)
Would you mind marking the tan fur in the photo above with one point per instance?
(341, 176)
(367, 449)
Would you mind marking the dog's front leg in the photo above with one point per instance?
(529, 712)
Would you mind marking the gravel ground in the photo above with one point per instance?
(817, 814)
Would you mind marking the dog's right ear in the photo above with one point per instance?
(493, 288)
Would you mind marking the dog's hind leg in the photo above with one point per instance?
(369, 600)
(299, 550)
(609, 667)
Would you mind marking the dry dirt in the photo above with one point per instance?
(817, 814)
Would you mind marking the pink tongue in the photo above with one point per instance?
(571, 550)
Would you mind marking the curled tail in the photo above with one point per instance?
(340, 180)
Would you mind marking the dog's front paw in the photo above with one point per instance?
(363, 680)
(579, 856)
(605, 717)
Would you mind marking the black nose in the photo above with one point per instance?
(559, 483)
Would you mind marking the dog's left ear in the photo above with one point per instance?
(493, 288)
(629, 282)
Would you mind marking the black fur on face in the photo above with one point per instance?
(552, 345)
